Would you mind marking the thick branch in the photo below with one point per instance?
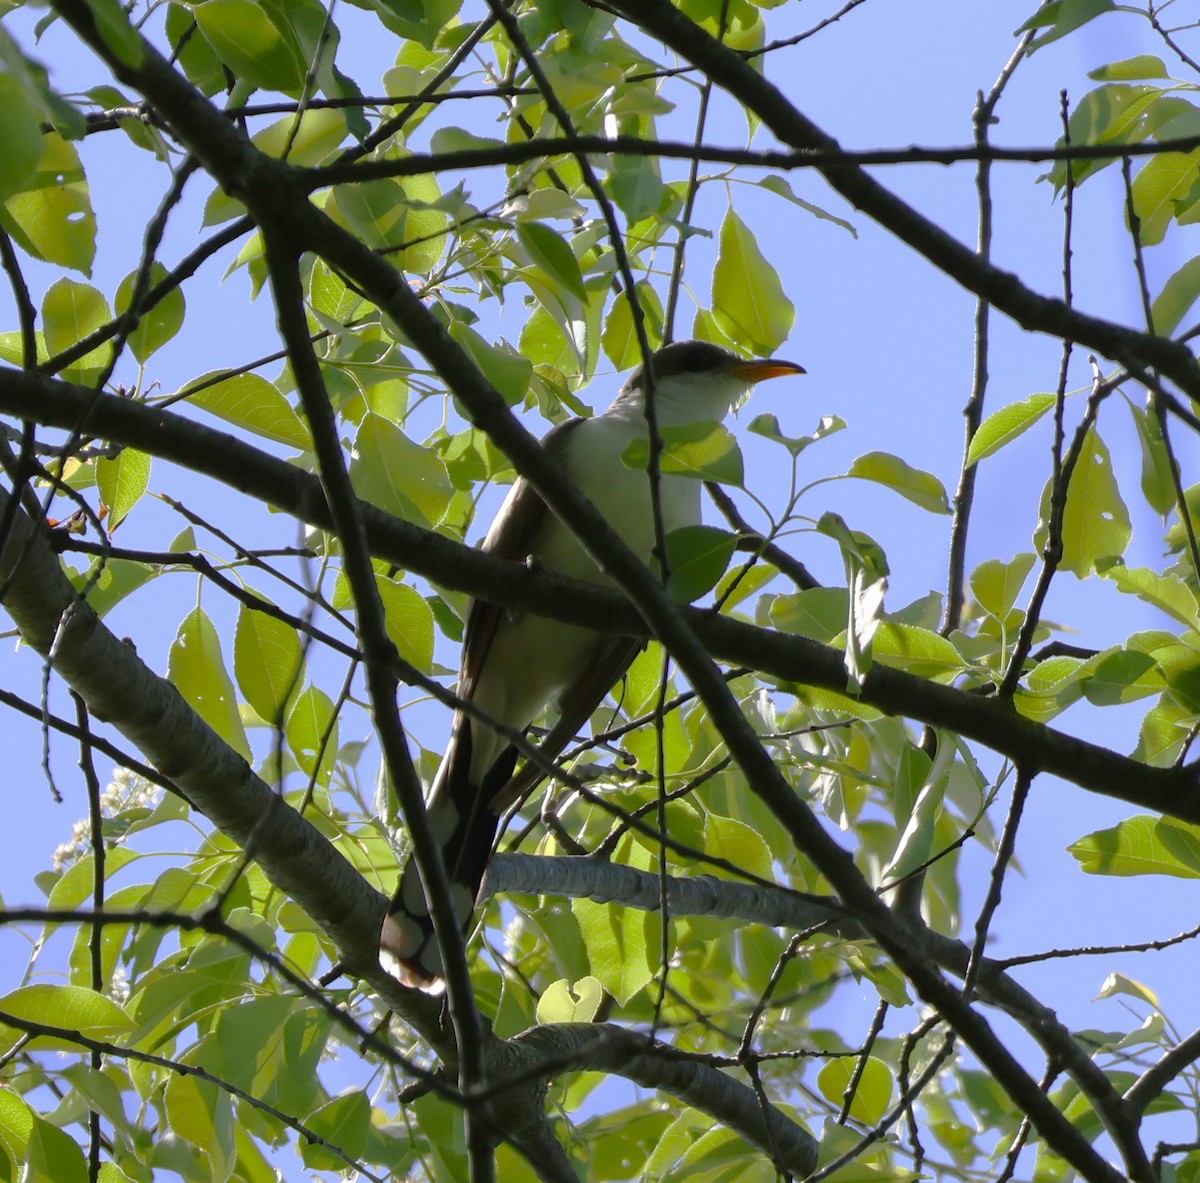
(650, 1064)
(241, 466)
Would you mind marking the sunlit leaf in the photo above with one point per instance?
(921, 488)
(1005, 425)
(122, 480)
(312, 732)
(563, 1003)
(704, 451)
(197, 668)
(398, 475)
(51, 217)
(157, 325)
(251, 45)
(867, 578)
(1095, 524)
(268, 661)
(1142, 845)
(996, 585)
(873, 1093)
(72, 311)
(748, 298)
(250, 401)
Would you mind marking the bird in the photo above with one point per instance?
(515, 663)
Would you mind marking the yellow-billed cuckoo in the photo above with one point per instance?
(514, 663)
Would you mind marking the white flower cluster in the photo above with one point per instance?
(126, 790)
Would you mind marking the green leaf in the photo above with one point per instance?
(307, 139)
(344, 1122)
(696, 559)
(818, 612)
(1064, 16)
(1116, 113)
(197, 668)
(563, 1003)
(21, 135)
(268, 662)
(501, 365)
(1122, 676)
(622, 945)
(1158, 481)
(52, 1156)
(619, 341)
(768, 427)
(70, 312)
(122, 481)
(920, 651)
(996, 585)
(1095, 523)
(636, 185)
(749, 302)
(399, 476)
(704, 451)
(159, 324)
(1143, 65)
(1003, 426)
(873, 1094)
(312, 732)
(254, 49)
(250, 401)
(1160, 183)
(866, 578)
(72, 1008)
(409, 622)
(201, 1114)
(552, 254)
(34, 83)
(1121, 985)
(737, 843)
(1166, 592)
(921, 488)
(1178, 295)
(399, 217)
(51, 217)
(1141, 845)
(117, 32)
(779, 186)
(1165, 729)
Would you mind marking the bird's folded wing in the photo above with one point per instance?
(606, 666)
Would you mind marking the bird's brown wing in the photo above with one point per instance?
(459, 809)
(606, 666)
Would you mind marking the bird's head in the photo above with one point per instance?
(699, 380)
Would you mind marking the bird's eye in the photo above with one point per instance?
(701, 357)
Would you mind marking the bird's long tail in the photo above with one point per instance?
(464, 824)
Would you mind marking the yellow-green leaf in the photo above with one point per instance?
(122, 481)
(749, 302)
(1095, 523)
(73, 1008)
(921, 488)
(51, 217)
(72, 311)
(250, 401)
(197, 668)
(268, 662)
(1003, 426)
